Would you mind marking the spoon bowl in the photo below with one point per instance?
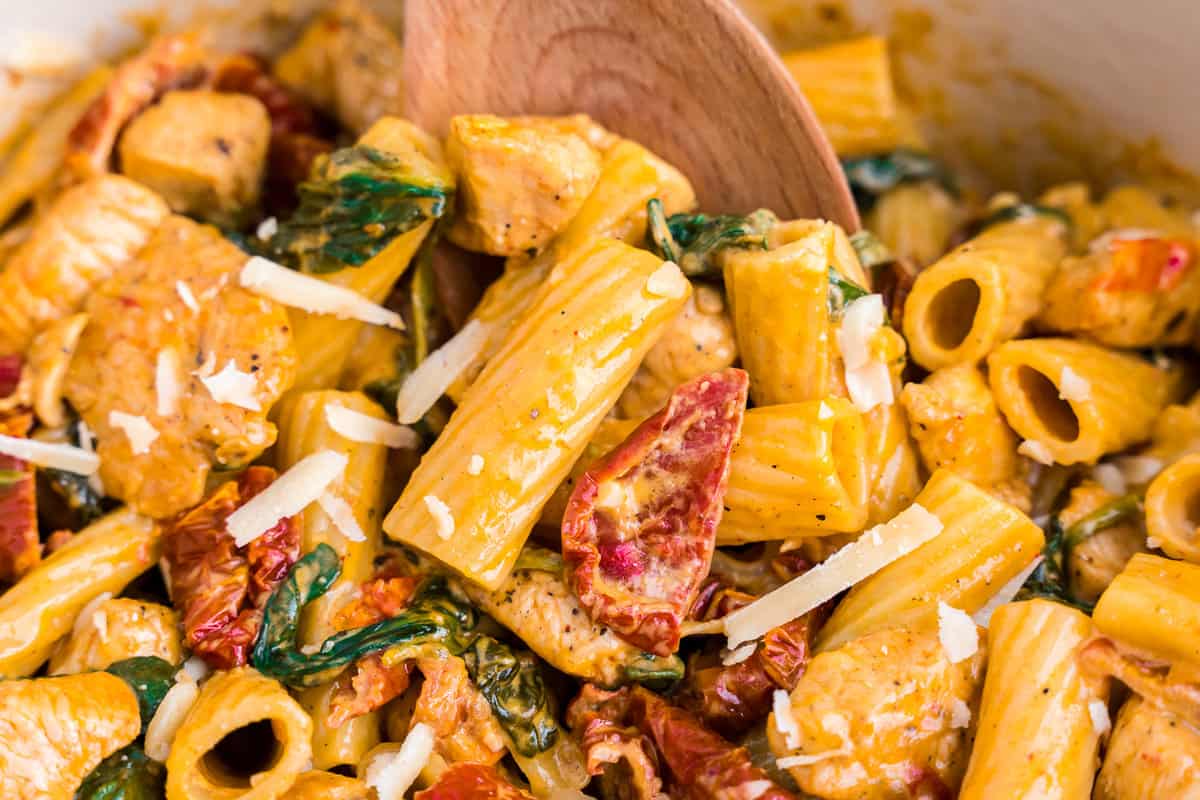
(692, 80)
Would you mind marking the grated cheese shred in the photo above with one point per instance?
(1074, 387)
(51, 455)
(342, 517)
(167, 389)
(138, 430)
(359, 427)
(868, 380)
(234, 387)
(667, 281)
(276, 282)
(785, 723)
(1031, 448)
(168, 718)
(957, 633)
(441, 516)
(289, 494)
(391, 774)
(433, 376)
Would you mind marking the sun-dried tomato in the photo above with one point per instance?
(699, 763)
(19, 546)
(220, 587)
(624, 759)
(472, 782)
(1146, 265)
(378, 599)
(10, 374)
(368, 685)
(639, 530)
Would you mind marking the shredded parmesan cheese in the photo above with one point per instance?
(824, 411)
(867, 378)
(267, 228)
(391, 774)
(342, 517)
(957, 633)
(667, 281)
(276, 282)
(50, 455)
(863, 557)
(165, 723)
(167, 389)
(234, 387)
(1110, 477)
(289, 494)
(1073, 386)
(1098, 711)
(359, 427)
(441, 516)
(960, 713)
(185, 294)
(731, 657)
(434, 375)
(785, 723)
(1031, 448)
(1007, 592)
(195, 668)
(138, 430)
(475, 464)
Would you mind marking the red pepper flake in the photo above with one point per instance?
(639, 530)
(221, 588)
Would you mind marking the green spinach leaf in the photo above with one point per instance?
(871, 176)
(127, 774)
(693, 240)
(150, 677)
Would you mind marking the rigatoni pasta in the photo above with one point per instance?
(1154, 605)
(1173, 509)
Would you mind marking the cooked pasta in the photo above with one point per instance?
(341, 458)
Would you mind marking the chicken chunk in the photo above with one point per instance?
(349, 63)
(203, 151)
(520, 181)
(87, 233)
(699, 341)
(1152, 753)
(117, 629)
(1095, 561)
(54, 731)
(884, 716)
(175, 320)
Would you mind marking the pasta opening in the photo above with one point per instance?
(241, 754)
(1055, 414)
(952, 313)
(1191, 509)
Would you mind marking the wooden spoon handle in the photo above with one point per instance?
(690, 79)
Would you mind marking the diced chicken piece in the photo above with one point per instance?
(87, 233)
(54, 731)
(204, 152)
(884, 717)
(117, 629)
(1095, 561)
(349, 63)
(459, 714)
(1152, 753)
(699, 341)
(179, 302)
(520, 181)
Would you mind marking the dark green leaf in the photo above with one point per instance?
(513, 686)
(423, 294)
(85, 503)
(870, 250)
(127, 774)
(842, 292)
(539, 559)
(1052, 579)
(1020, 211)
(654, 671)
(357, 202)
(150, 677)
(693, 240)
(871, 176)
(433, 616)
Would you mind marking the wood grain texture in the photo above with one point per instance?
(690, 79)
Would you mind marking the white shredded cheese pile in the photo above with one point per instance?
(860, 559)
(433, 376)
(667, 281)
(167, 389)
(138, 430)
(234, 387)
(342, 517)
(1031, 448)
(391, 774)
(867, 378)
(51, 455)
(957, 633)
(441, 515)
(289, 494)
(1073, 386)
(359, 427)
(276, 282)
(168, 718)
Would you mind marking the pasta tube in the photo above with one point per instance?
(630, 176)
(982, 293)
(1036, 737)
(780, 304)
(984, 543)
(849, 85)
(589, 328)
(1154, 605)
(1173, 509)
(115, 630)
(915, 221)
(796, 466)
(317, 785)
(305, 429)
(1080, 401)
(345, 745)
(41, 608)
(272, 734)
(893, 468)
(54, 731)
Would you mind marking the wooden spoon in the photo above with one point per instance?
(692, 80)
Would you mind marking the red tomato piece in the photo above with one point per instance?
(640, 527)
(20, 549)
(10, 374)
(221, 588)
(1146, 265)
(465, 781)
